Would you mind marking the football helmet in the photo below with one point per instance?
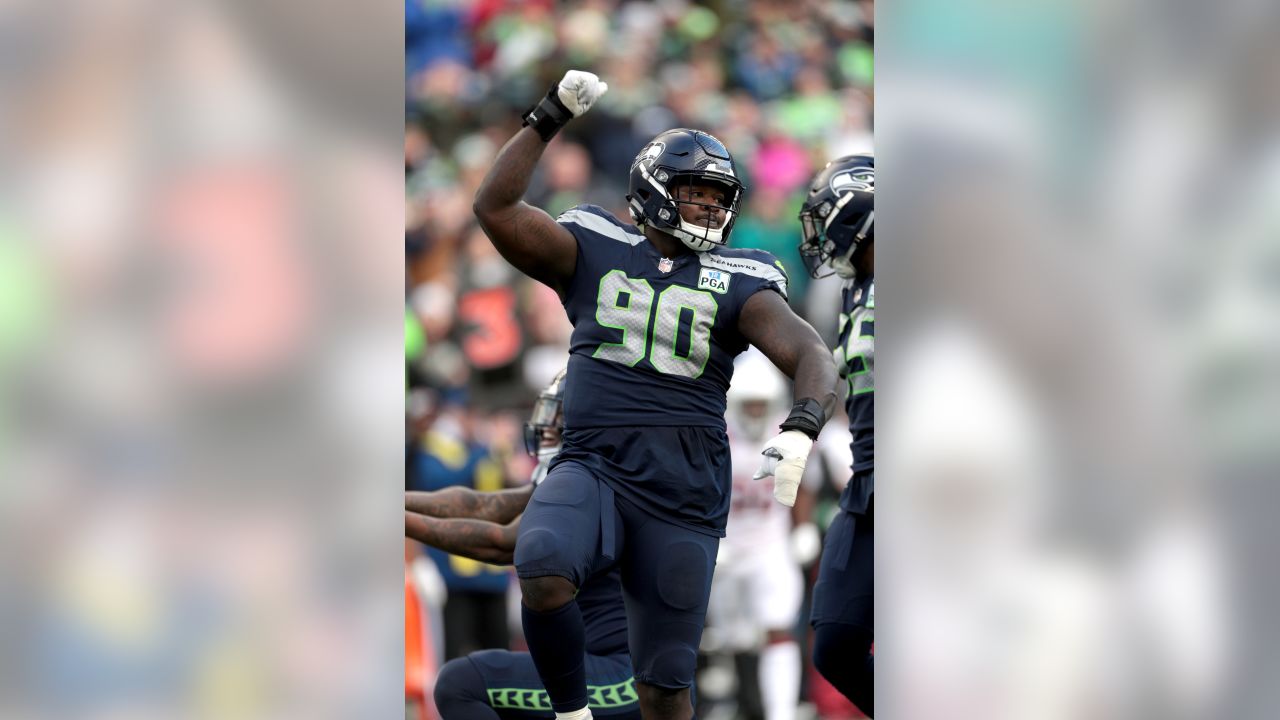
(547, 418)
(757, 396)
(838, 216)
(542, 432)
(683, 157)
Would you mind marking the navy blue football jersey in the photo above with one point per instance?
(855, 359)
(653, 338)
(652, 348)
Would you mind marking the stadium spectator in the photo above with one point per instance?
(448, 455)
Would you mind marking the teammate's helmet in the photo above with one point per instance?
(546, 420)
(838, 215)
(683, 157)
(757, 395)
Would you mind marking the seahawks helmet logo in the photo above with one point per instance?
(859, 178)
(650, 154)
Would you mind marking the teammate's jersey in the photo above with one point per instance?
(604, 615)
(654, 338)
(855, 359)
(650, 361)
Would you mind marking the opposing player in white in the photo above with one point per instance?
(758, 585)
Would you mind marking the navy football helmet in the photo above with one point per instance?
(683, 157)
(547, 419)
(837, 220)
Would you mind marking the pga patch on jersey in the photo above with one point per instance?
(713, 280)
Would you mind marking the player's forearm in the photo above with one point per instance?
(459, 502)
(816, 377)
(505, 505)
(797, 350)
(447, 503)
(475, 539)
(508, 178)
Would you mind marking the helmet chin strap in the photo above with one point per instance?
(700, 239)
(843, 267)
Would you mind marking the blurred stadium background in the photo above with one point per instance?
(202, 376)
(786, 85)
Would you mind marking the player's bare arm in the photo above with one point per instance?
(797, 350)
(501, 506)
(476, 539)
(526, 236)
(793, 346)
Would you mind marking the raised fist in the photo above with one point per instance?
(579, 90)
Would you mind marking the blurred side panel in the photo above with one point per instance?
(201, 379)
(1079, 359)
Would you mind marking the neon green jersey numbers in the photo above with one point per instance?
(856, 357)
(680, 343)
(624, 304)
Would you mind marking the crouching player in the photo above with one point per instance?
(493, 684)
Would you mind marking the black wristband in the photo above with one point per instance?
(806, 416)
(548, 116)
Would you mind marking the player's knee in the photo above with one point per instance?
(666, 703)
(838, 647)
(547, 593)
(457, 684)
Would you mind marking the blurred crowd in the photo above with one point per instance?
(786, 86)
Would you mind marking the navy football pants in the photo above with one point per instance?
(575, 525)
(843, 614)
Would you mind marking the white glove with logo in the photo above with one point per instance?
(579, 90)
(784, 459)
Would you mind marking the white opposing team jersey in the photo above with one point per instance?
(756, 520)
(757, 585)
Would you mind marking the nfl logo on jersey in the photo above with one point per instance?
(664, 265)
(713, 280)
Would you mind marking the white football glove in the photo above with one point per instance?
(784, 459)
(579, 90)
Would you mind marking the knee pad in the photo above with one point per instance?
(673, 669)
(683, 577)
(535, 548)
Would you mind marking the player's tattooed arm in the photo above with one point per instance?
(459, 502)
(527, 237)
(476, 539)
(792, 345)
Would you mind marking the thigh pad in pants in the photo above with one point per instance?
(560, 531)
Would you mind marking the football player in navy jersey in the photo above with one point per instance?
(837, 223)
(493, 684)
(659, 308)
